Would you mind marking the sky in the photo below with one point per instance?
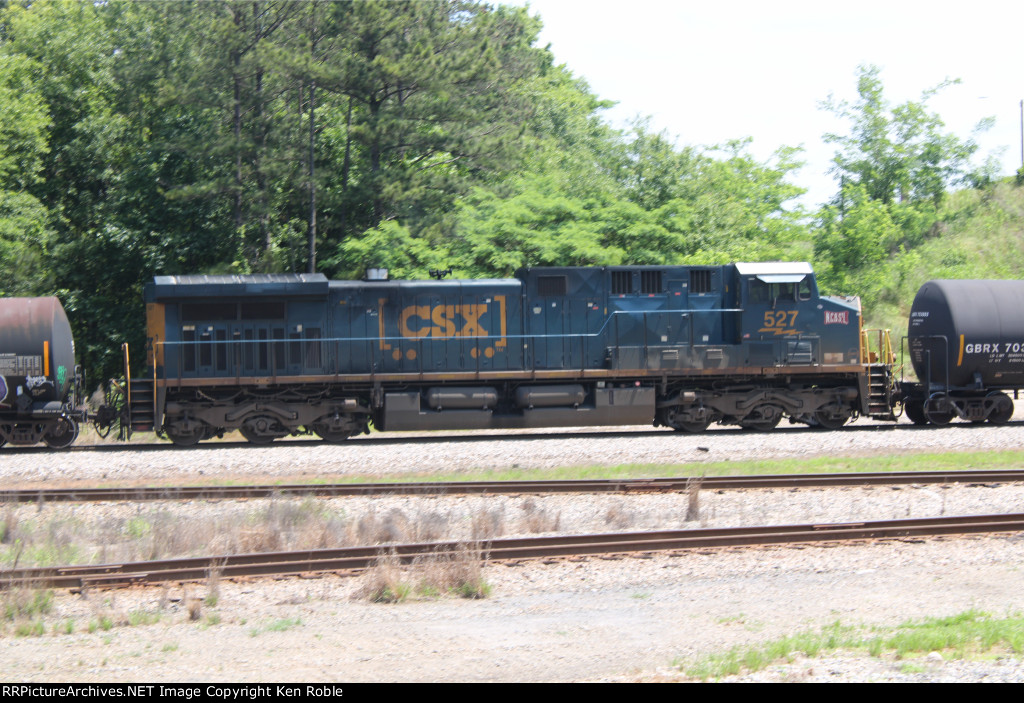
(706, 73)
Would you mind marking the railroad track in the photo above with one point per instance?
(356, 559)
(470, 437)
(638, 485)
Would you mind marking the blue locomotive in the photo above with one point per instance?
(679, 346)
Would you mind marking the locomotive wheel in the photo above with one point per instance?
(63, 434)
(185, 439)
(1002, 409)
(262, 429)
(325, 433)
(936, 409)
(914, 409)
(673, 419)
(692, 427)
(762, 418)
(831, 420)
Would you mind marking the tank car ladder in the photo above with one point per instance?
(878, 359)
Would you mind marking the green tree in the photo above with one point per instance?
(897, 153)
(24, 220)
(434, 102)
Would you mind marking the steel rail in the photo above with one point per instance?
(637, 485)
(353, 560)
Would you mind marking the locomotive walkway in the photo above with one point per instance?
(357, 559)
(639, 485)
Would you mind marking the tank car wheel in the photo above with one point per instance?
(762, 418)
(63, 434)
(1002, 409)
(936, 409)
(831, 419)
(262, 429)
(914, 409)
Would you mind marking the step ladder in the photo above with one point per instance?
(878, 359)
(141, 407)
(138, 411)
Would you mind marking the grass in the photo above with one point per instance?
(968, 635)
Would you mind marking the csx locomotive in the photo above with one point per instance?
(680, 346)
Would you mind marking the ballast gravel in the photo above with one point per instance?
(465, 452)
(628, 619)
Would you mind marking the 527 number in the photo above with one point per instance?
(777, 318)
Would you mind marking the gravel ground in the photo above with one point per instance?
(474, 451)
(596, 619)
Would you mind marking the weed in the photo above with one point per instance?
(170, 647)
(30, 629)
(431, 527)
(143, 617)
(213, 585)
(138, 527)
(536, 519)
(104, 622)
(487, 524)
(392, 527)
(277, 626)
(618, 516)
(195, 609)
(8, 525)
(22, 603)
(283, 624)
(458, 573)
(383, 581)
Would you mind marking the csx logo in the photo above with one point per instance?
(446, 322)
(442, 321)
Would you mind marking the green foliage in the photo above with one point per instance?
(24, 236)
(898, 153)
(392, 246)
(892, 226)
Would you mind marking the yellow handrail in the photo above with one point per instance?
(884, 353)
